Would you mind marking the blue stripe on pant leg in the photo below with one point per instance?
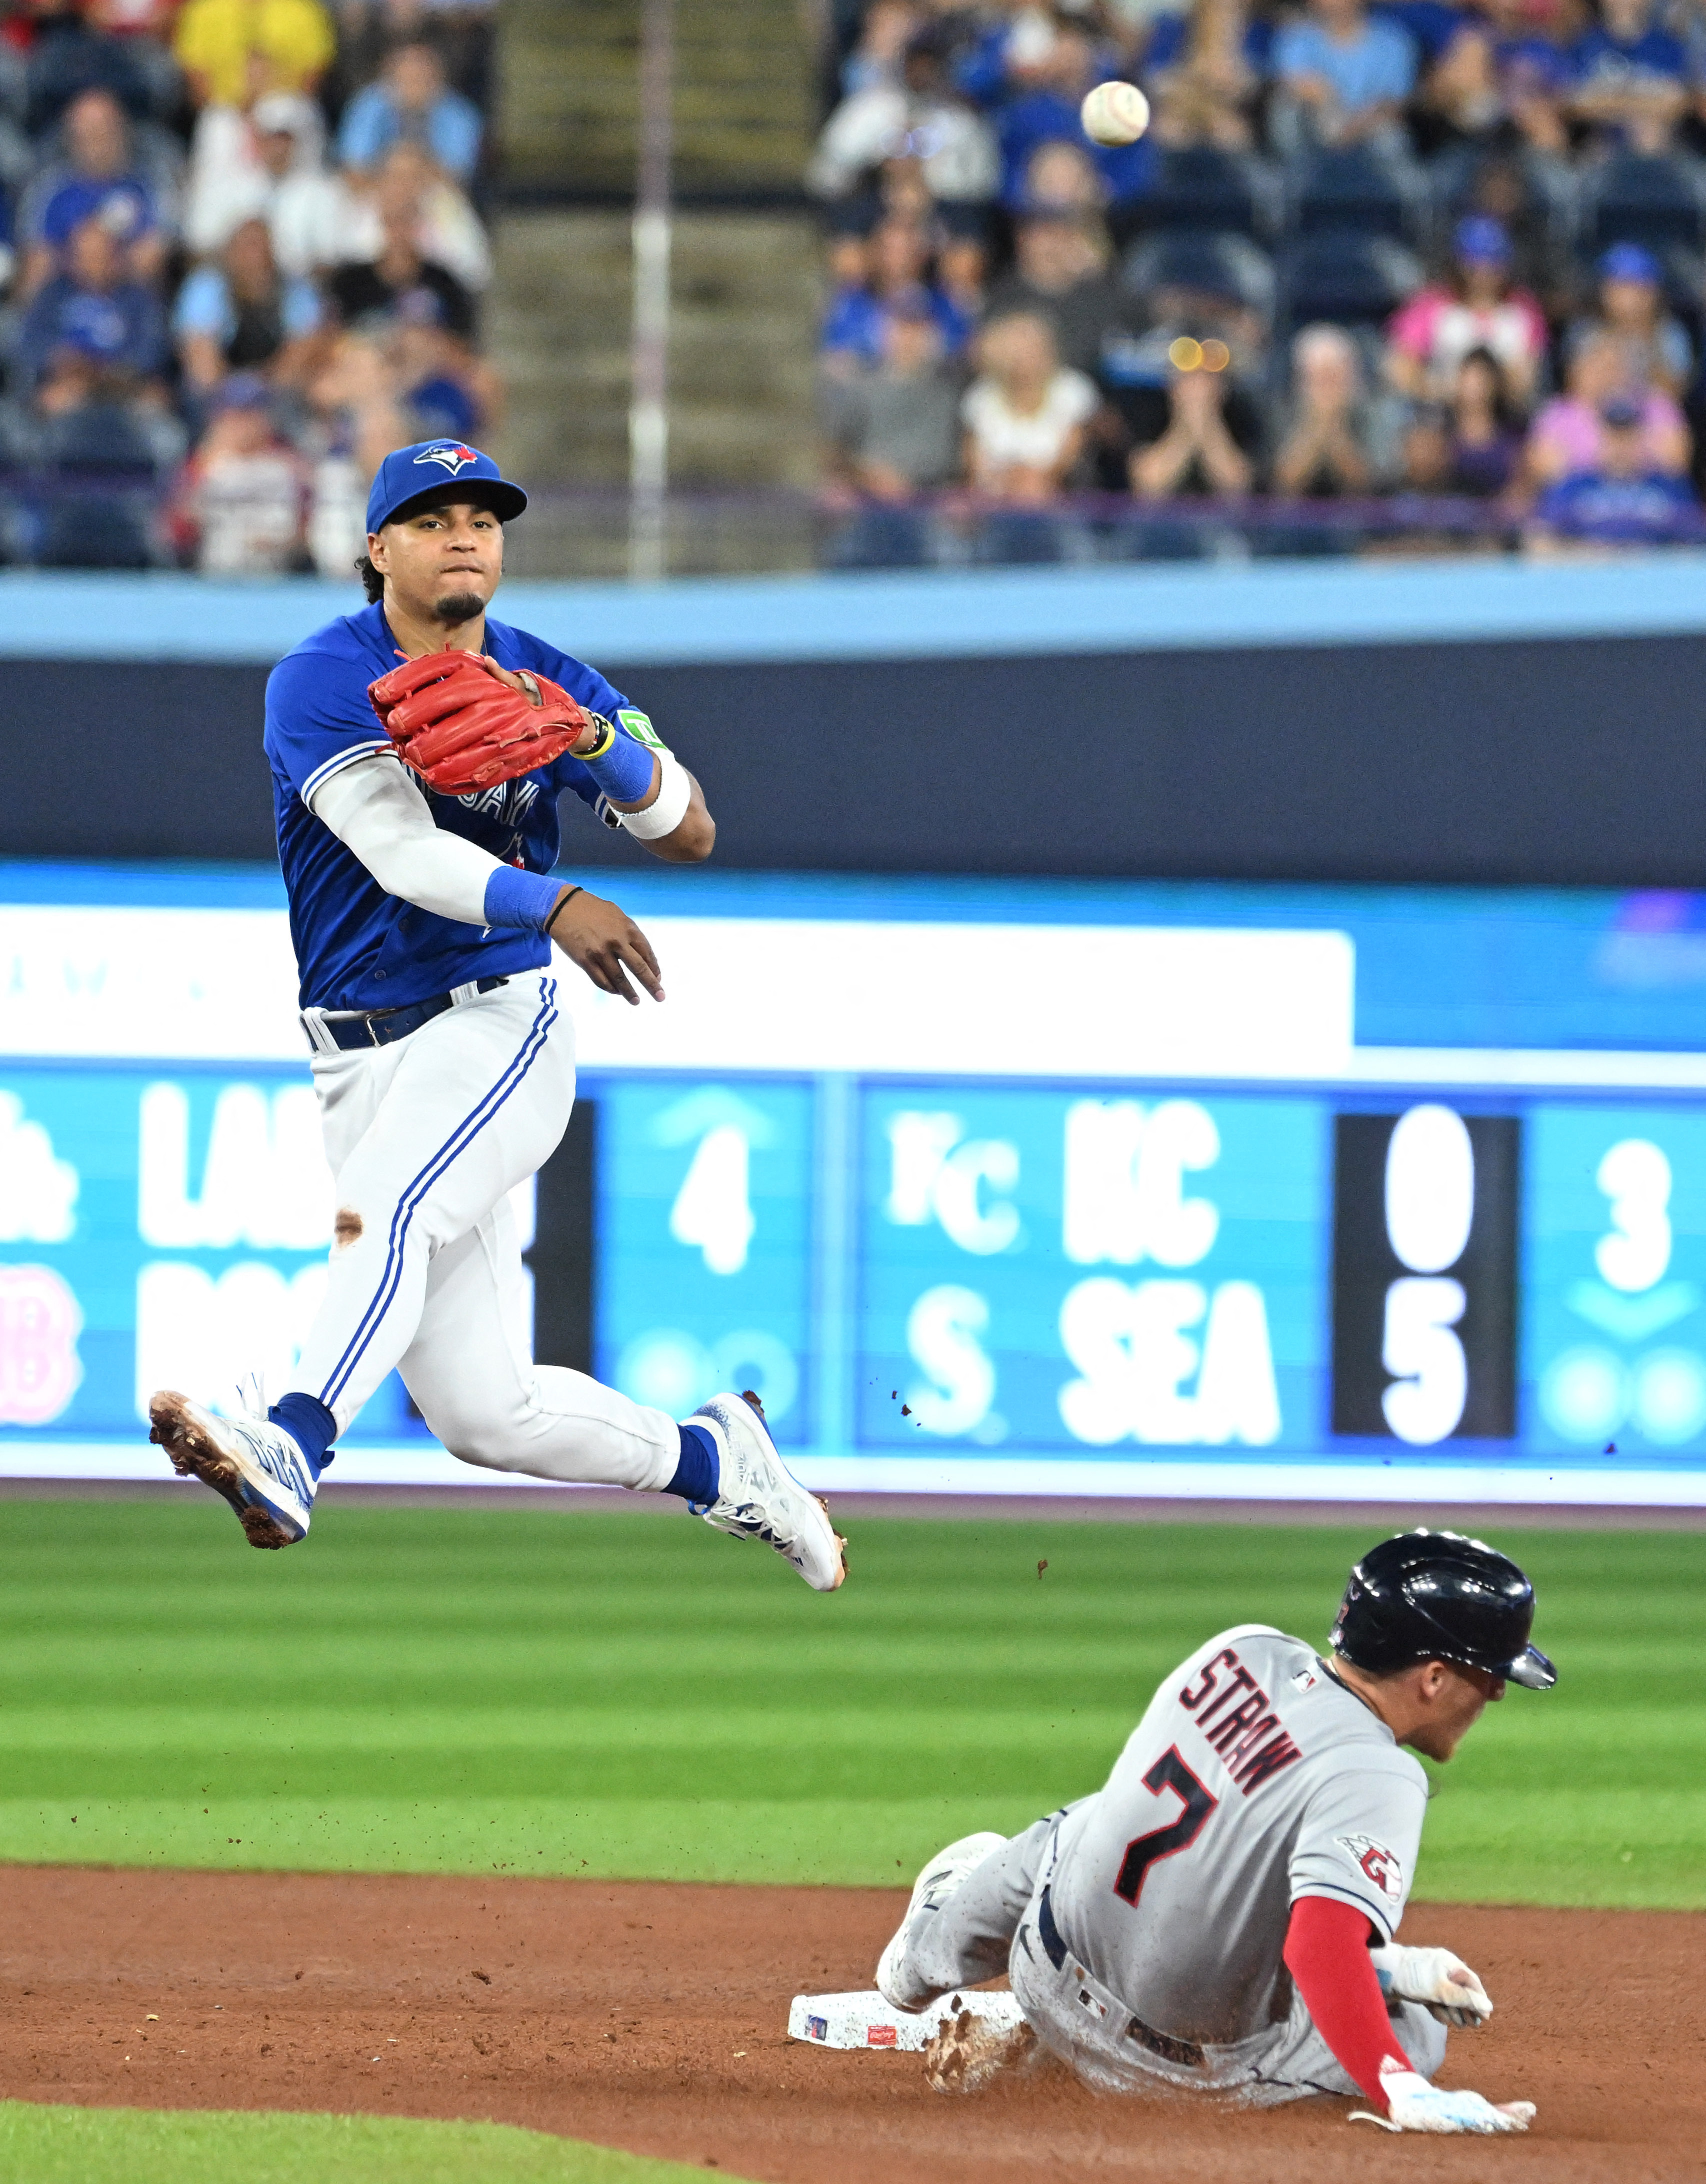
(465, 1132)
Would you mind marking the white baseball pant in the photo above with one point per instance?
(426, 1138)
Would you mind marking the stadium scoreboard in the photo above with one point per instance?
(1295, 1260)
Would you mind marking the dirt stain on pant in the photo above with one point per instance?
(346, 1229)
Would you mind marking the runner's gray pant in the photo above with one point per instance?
(998, 1920)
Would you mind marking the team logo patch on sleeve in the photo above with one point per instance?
(639, 726)
(1375, 1862)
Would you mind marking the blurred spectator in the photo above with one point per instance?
(98, 177)
(920, 118)
(1060, 272)
(897, 263)
(892, 435)
(1567, 437)
(243, 316)
(240, 499)
(446, 228)
(1655, 348)
(1194, 451)
(1623, 500)
(94, 308)
(1475, 307)
(874, 64)
(1499, 75)
(1024, 413)
(105, 451)
(68, 54)
(143, 31)
(448, 391)
(354, 419)
(268, 163)
(1337, 441)
(1472, 444)
(1344, 78)
(1203, 69)
(1047, 113)
(458, 30)
(411, 101)
(398, 284)
(1630, 77)
(1064, 177)
(234, 50)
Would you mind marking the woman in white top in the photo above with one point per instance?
(1025, 415)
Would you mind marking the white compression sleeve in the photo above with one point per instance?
(374, 808)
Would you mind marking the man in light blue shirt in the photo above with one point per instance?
(1347, 75)
(411, 102)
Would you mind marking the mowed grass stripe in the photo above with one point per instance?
(144, 2146)
(451, 1690)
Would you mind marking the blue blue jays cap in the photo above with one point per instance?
(434, 470)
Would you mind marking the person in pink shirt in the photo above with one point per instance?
(1478, 307)
(1567, 438)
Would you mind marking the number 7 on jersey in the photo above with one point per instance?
(1169, 1772)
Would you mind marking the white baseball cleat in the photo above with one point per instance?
(255, 1464)
(759, 1498)
(930, 1892)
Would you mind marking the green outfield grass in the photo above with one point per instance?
(144, 2146)
(487, 1690)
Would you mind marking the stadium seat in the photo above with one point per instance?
(1329, 192)
(1203, 190)
(1634, 197)
(1352, 279)
(1222, 266)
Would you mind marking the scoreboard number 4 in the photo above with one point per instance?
(1425, 1261)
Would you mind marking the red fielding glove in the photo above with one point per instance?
(1327, 1954)
(460, 727)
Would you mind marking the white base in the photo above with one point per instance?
(865, 2020)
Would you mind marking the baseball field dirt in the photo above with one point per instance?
(652, 2016)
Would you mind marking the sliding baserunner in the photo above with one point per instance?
(1220, 1917)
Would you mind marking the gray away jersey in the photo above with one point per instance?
(1252, 1779)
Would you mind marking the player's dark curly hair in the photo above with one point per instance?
(371, 581)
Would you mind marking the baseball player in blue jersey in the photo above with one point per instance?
(424, 916)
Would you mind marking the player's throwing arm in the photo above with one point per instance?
(418, 750)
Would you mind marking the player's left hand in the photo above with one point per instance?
(462, 722)
(1413, 2105)
(1442, 1982)
(606, 944)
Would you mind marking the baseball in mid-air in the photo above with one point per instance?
(1114, 114)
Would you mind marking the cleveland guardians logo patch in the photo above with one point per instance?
(1375, 1862)
(452, 456)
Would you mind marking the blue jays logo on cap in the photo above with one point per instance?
(453, 457)
(400, 480)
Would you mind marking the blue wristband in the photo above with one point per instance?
(624, 771)
(523, 899)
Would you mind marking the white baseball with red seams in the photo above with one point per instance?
(1114, 114)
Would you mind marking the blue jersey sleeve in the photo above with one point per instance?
(319, 720)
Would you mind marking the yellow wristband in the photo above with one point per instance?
(607, 736)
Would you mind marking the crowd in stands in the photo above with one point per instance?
(1380, 271)
(242, 256)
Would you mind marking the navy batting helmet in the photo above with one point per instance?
(1439, 1597)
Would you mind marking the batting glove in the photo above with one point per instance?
(1443, 1983)
(1413, 2105)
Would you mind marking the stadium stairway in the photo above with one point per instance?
(746, 285)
